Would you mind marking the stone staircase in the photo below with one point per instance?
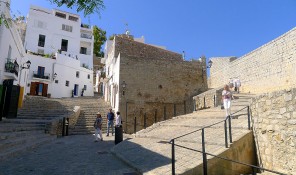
(89, 108)
(148, 150)
(27, 131)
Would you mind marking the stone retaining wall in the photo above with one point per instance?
(208, 99)
(274, 125)
(56, 126)
(157, 84)
(268, 68)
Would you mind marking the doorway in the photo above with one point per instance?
(38, 89)
(76, 89)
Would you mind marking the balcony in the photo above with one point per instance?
(85, 35)
(11, 66)
(44, 76)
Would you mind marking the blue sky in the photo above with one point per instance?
(199, 27)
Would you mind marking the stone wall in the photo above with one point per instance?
(158, 84)
(129, 47)
(56, 126)
(274, 125)
(242, 150)
(209, 99)
(268, 68)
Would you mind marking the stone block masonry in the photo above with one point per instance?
(133, 48)
(158, 84)
(274, 125)
(268, 68)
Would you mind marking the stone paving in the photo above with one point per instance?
(149, 152)
(72, 155)
(145, 152)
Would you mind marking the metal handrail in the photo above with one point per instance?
(253, 166)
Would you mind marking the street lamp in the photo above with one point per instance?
(123, 85)
(26, 65)
(210, 64)
(54, 76)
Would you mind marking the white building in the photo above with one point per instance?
(12, 53)
(61, 52)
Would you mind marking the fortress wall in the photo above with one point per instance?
(274, 128)
(159, 84)
(268, 68)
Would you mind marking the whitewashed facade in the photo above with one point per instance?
(61, 54)
(12, 53)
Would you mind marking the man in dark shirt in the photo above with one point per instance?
(110, 117)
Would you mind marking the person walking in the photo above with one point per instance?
(237, 84)
(98, 127)
(110, 123)
(227, 97)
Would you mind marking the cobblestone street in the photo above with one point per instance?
(72, 155)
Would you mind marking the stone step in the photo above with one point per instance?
(26, 121)
(17, 127)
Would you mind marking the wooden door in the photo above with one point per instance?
(33, 88)
(44, 90)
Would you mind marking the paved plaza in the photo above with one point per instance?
(71, 155)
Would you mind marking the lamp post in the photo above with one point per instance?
(26, 65)
(54, 76)
(123, 85)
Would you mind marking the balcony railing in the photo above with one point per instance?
(87, 36)
(12, 66)
(45, 76)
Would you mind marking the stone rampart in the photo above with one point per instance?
(208, 99)
(274, 125)
(133, 48)
(268, 68)
(158, 84)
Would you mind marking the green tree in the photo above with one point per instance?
(99, 40)
(87, 6)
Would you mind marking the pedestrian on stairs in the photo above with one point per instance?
(227, 97)
(110, 118)
(98, 127)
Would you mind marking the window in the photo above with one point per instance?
(56, 81)
(77, 74)
(82, 50)
(88, 76)
(41, 71)
(41, 40)
(61, 15)
(67, 28)
(85, 87)
(64, 45)
(73, 18)
(40, 24)
(67, 83)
